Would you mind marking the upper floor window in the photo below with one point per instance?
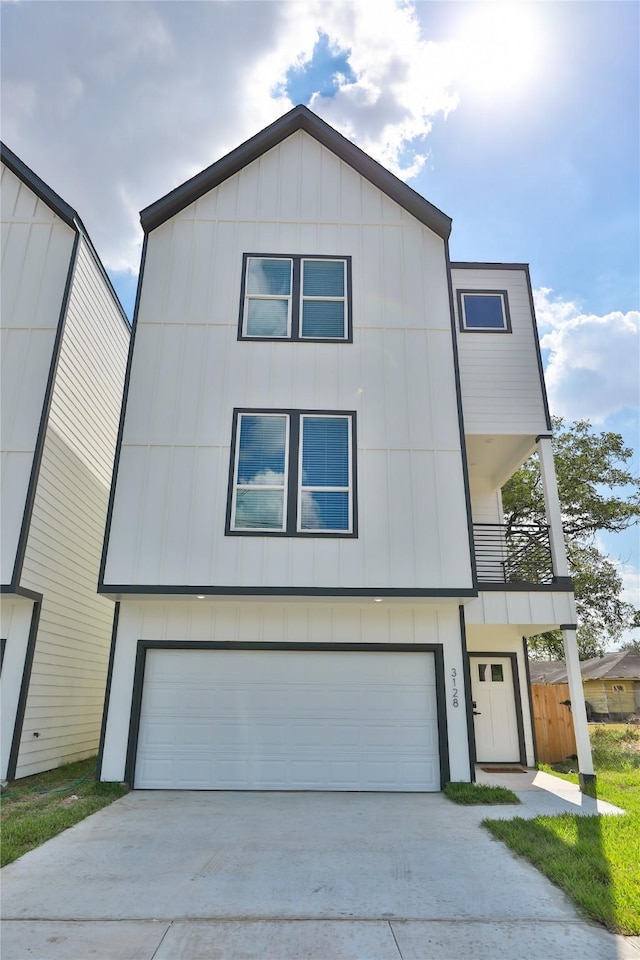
(292, 473)
(484, 311)
(295, 298)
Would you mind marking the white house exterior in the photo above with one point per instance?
(313, 423)
(64, 348)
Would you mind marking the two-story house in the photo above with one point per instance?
(65, 340)
(305, 540)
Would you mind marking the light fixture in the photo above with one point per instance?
(377, 599)
(200, 596)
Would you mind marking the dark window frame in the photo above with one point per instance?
(292, 478)
(296, 298)
(504, 296)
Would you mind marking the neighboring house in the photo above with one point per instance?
(305, 537)
(64, 348)
(611, 683)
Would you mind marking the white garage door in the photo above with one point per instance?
(288, 720)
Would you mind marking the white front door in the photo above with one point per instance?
(495, 721)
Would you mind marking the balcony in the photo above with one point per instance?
(513, 554)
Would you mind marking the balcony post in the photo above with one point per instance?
(552, 507)
(561, 569)
(578, 708)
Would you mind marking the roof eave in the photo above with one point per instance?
(300, 118)
(39, 187)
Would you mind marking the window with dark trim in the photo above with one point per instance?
(292, 473)
(484, 311)
(295, 298)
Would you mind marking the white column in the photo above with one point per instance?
(578, 709)
(561, 569)
(552, 507)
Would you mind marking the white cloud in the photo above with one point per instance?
(592, 370)
(114, 104)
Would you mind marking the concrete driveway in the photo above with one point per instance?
(288, 875)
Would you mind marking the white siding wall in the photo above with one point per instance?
(486, 501)
(501, 390)
(36, 252)
(15, 623)
(532, 611)
(189, 372)
(277, 623)
(63, 549)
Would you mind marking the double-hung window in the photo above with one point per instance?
(295, 298)
(292, 473)
(484, 311)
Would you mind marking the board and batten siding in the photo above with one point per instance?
(547, 609)
(68, 677)
(189, 372)
(274, 622)
(500, 379)
(36, 254)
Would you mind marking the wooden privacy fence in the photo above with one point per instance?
(553, 722)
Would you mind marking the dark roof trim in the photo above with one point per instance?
(300, 118)
(62, 210)
(39, 187)
(477, 265)
(119, 590)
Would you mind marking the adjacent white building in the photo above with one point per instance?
(64, 349)
(305, 539)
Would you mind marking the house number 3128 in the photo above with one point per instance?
(455, 701)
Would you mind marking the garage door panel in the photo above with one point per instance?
(214, 719)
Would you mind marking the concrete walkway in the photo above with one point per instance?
(289, 875)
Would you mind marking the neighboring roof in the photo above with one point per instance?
(59, 207)
(300, 118)
(612, 666)
(548, 671)
(624, 665)
(39, 187)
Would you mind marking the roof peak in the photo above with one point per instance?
(298, 118)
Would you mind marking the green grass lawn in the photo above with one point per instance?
(37, 808)
(594, 859)
(478, 793)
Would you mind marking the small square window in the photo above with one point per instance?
(484, 311)
(490, 672)
(295, 298)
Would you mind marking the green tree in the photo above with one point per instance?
(597, 492)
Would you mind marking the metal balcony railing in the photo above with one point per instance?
(513, 554)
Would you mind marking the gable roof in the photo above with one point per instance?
(300, 118)
(39, 187)
(62, 209)
(623, 665)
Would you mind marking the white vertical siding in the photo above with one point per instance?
(15, 623)
(545, 610)
(289, 623)
(36, 252)
(190, 371)
(64, 545)
(499, 374)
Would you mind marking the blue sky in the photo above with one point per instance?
(520, 121)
